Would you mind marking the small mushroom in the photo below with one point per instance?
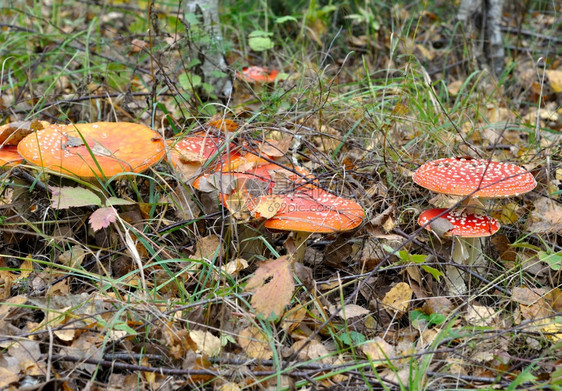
(466, 230)
(93, 150)
(257, 74)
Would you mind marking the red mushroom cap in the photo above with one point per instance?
(464, 225)
(198, 147)
(9, 156)
(112, 148)
(464, 176)
(257, 74)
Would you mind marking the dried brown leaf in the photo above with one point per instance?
(7, 376)
(254, 343)
(313, 350)
(555, 80)
(378, 350)
(352, 311)
(267, 206)
(546, 217)
(208, 248)
(481, 315)
(396, 301)
(455, 87)
(235, 266)
(276, 148)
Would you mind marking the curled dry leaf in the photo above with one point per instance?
(267, 206)
(274, 286)
(352, 311)
(236, 266)
(254, 343)
(293, 318)
(396, 301)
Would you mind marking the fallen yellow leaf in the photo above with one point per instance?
(555, 79)
(396, 301)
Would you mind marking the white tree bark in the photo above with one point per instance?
(211, 54)
(488, 47)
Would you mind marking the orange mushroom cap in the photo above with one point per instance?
(257, 74)
(302, 207)
(115, 147)
(464, 224)
(197, 147)
(235, 162)
(463, 176)
(317, 211)
(9, 156)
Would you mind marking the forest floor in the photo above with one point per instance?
(153, 280)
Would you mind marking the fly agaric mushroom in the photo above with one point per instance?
(473, 179)
(198, 147)
(257, 74)
(466, 229)
(290, 201)
(309, 210)
(465, 176)
(9, 156)
(94, 150)
(462, 224)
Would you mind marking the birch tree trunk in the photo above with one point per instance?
(212, 68)
(482, 19)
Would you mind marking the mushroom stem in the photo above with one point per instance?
(300, 240)
(466, 251)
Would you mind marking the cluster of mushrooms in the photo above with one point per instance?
(472, 179)
(286, 196)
